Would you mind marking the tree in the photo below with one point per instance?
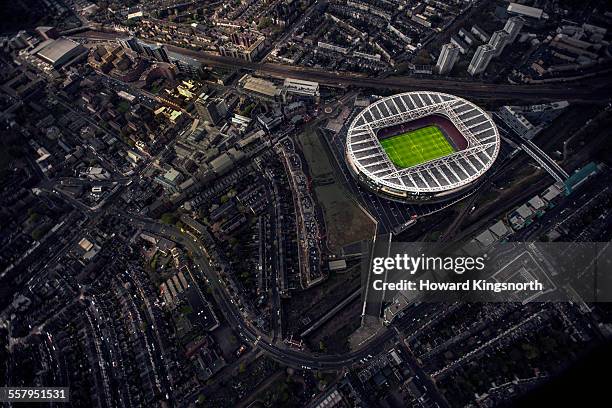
(169, 218)
(264, 22)
(33, 217)
(247, 111)
(40, 232)
(123, 107)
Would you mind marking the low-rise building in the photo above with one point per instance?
(245, 45)
(300, 89)
(260, 87)
(526, 11)
(60, 52)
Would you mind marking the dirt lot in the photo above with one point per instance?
(315, 302)
(345, 221)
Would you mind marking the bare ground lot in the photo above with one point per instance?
(345, 221)
(313, 303)
(333, 336)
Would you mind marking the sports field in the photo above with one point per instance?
(417, 146)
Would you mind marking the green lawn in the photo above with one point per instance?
(417, 146)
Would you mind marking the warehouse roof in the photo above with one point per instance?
(53, 51)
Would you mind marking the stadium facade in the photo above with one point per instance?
(434, 171)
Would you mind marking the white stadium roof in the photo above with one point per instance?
(367, 156)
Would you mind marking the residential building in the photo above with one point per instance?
(481, 59)
(245, 45)
(517, 122)
(447, 59)
(185, 65)
(480, 33)
(513, 27)
(157, 52)
(467, 37)
(132, 44)
(332, 47)
(463, 47)
(498, 41)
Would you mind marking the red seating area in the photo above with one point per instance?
(444, 124)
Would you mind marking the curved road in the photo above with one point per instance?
(286, 356)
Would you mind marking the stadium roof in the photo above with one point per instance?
(366, 154)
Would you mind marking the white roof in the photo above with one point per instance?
(524, 211)
(525, 10)
(298, 85)
(56, 49)
(261, 86)
(536, 203)
(366, 155)
(337, 265)
(499, 229)
(300, 82)
(486, 238)
(171, 175)
(126, 96)
(552, 192)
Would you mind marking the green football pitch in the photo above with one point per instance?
(417, 146)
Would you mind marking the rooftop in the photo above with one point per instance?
(53, 51)
(85, 244)
(261, 86)
(528, 11)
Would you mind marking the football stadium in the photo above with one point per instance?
(421, 145)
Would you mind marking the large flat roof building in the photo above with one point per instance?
(259, 86)
(59, 52)
(301, 89)
(527, 11)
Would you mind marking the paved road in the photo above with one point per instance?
(592, 89)
(298, 359)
